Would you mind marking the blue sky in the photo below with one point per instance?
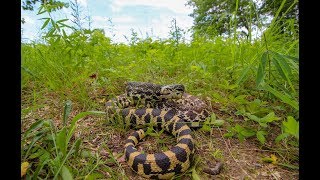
(144, 16)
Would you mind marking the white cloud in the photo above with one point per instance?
(99, 19)
(83, 3)
(123, 19)
(28, 20)
(176, 6)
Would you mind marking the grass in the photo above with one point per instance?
(252, 88)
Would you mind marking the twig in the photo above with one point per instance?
(232, 155)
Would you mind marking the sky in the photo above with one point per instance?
(147, 17)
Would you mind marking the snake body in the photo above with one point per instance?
(167, 107)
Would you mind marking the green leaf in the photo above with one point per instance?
(269, 118)
(45, 23)
(62, 20)
(240, 137)
(243, 75)
(283, 68)
(195, 175)
(65, 173)
(284, 97)
(66, 111)
(61, 141)
(64, 35)
(94, 176)
(247, 132)
(228, 134)
(40, 167)
(281, 136)
(34, 140)
(291, 126)
(77, 146)
(253, 117)
(261, 69)
(64, 25)
(40, 10)
(206, 127)
(34, 126)
(37, 154)
(218, 122)
(260, 136)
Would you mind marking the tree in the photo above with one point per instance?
(29, 4)
(284, 11)
(223, 17)
(214, 17)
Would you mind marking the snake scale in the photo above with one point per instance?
(167, 107)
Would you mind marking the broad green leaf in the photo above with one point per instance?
(218, 122)
(238, 128)
(213, 117)
(261, 69)
(284, 97)
(260, 136)
(45, 23)
(269, 118)
(253, 117)
(247, 133)
(61, 141)
(291, 126)
(206, 127)
(281, 136)
(265, 125)
(66, 111)
(65, 173)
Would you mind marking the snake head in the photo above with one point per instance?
(174, 91)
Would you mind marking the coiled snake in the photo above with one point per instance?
(168, 107)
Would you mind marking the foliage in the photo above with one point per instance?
(48, 149)
(218, 17)
(290, 128)
(215, 17)
(54, 5)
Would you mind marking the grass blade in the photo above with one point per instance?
(284, 97)
(261, 69)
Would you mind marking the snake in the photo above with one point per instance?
(165, 106)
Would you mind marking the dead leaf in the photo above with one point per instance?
(274, 158)
(24, 168)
